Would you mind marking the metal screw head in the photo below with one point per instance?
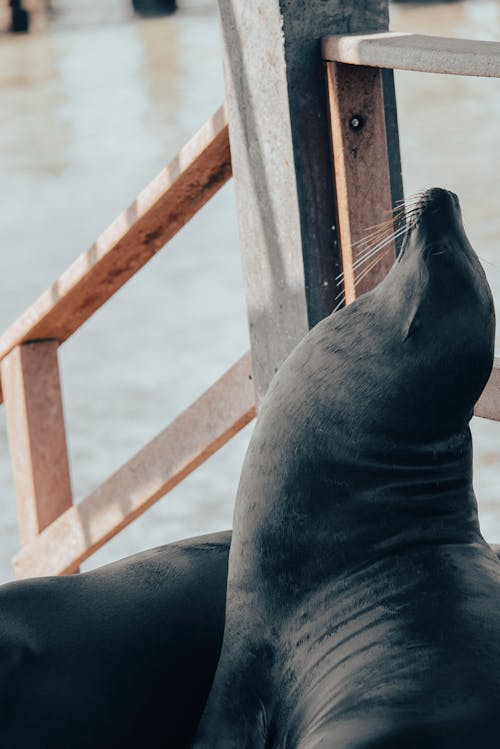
(356, 122)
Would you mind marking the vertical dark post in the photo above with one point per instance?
(152, 8)
(19, 19)
(278, 124)
(392, 137)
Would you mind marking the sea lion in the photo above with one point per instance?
(363, 605)
(122, 656)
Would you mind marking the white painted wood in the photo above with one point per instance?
(427, 54)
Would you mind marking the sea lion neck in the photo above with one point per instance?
(322, 501)
(375, 403)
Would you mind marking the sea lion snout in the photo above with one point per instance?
(437, 220)
(438, 199)
(439, 298)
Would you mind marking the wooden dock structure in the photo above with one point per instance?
(309, 133)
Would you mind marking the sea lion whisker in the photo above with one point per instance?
(369, 252)
(374, 247)
(368, 255)
(339, 305)
(367, 243)
(414, 197)
(399, 210)
(381, 243)
(405, 207)
(361, 259)
(368, 238)
(489, 262)
(381, 224)
(372, 253)
(370, 267)
(381, 233)
(409, 206)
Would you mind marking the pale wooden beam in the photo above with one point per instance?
(488, 405)
(278, 126)
(224, 409)
(37, 437)
(426, 54)
(201, 168)
(361, 166)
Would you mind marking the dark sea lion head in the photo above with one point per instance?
(370, 412)
(404, 362)
(443, 314)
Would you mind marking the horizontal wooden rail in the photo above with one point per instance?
(488, 405)
(165, 206)
(225, 408)
(426, 54)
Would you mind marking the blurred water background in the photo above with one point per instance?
(92, 106)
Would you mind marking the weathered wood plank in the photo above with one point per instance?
(224, 409)
(37, 437)
(362, 178)
(279, 143)
(427, 54)
(488, 405)
(201, 168)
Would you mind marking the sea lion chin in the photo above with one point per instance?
(363, 605)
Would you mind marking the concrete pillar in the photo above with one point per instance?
(278, 125)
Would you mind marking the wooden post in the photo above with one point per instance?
(362, 173)
(31, 387)
(279, 136)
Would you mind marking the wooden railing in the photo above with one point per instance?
(353, 64)
(56, 536)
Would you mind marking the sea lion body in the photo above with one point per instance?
(122, 656)
(363, 605)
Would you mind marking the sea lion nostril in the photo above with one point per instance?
(436, 201)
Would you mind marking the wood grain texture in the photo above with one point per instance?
(224, 409)
(280, 144)
(427, 54)
(201, 168)
(37, 437)
(361, 166)
(488, 405)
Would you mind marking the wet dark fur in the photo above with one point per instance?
(120, 657)
(363, 605)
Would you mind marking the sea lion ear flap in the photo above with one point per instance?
(410, 324)
(411, 318)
